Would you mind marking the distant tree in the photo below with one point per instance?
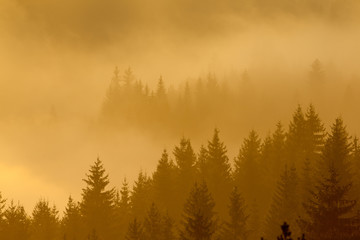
(199, 222)
(128, 78)
(2, 207)
(97, 206)
(217, 175)
(141, 196)
(153, 224)
(161, 91)
(164, 183)
(44, 222)
(72, 225)
(122, 209)
(16, 223)
(248, 177)
(296, 138)
(285, 203)
(185, 160)
(135, 231)
(317, 74)
(235, 228)
(315, 134)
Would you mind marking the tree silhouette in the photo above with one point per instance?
(16, 223)
(44, 222)
(198, 222)
(97, 207)
(135, 231)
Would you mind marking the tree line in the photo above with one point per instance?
(304, 175)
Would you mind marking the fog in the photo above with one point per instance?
(57, 60)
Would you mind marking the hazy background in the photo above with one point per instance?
(57, 58)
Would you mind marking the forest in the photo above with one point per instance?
(300, 174)
(179, 120)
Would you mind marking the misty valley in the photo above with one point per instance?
(179, 120)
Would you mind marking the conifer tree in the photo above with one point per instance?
(236, 227)
(153, 224)
(2, 207)
(135, 231)
(295, 139)
(123, 209)
(216, 169)
(185, 160)
(163, 183)
(16, 223)
(141, 197)
(44, 222)
(199, 222)
(72, 225)
(285, 203)
(97, 206)
(329, 211)
(248, 177)
(315, 134)
(167, 228)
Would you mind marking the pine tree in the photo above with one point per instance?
(72, 226)
(163, 183)
(141, 195)
(185, 160)
(285, 203)
(122, 209)
(216, 169)
(199, 222)
(135, 231)
(153, 224)
(248, 177)
(315, 134)
(329, 211)
(97, 206)
(2, 207)
(16, 223)
(44, 222)
(235, 228)
(168, 228)
(296, 138)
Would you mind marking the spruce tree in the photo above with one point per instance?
(153, 224)
(236, 227)
(164, 183)
(123, 209)
(2, 207)
(329, 211)
(248, 177)
(296, 138)
(185, 160)
(16, 223)
(285, 203)
(216, 169)
(135, 231)
(198, 222)
(168, 228)
(141, 197)
(72, 225)
(44, 222)
(97, 207)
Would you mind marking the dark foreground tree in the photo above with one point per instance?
(97, 206)
(330, 211)
(198, 221)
